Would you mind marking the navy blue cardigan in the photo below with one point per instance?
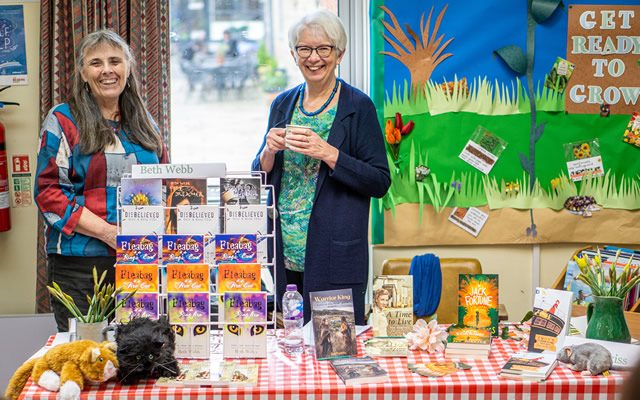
(337, 254)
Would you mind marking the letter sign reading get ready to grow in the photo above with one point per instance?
(603, 41)
(212, 170)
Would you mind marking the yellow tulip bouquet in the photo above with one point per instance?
(607, 283)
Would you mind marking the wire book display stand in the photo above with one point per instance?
(216, 297)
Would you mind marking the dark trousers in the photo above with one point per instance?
(74, 275)
(295, 277)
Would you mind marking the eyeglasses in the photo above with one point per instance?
(322, 51)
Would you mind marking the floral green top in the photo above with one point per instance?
(298, 188)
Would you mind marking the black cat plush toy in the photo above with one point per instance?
(146, 350)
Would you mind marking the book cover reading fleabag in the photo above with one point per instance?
(137, 249)
(236, 248)
(182, 249)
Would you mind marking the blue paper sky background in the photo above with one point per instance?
(479, 28)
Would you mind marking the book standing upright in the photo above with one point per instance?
(478, 301)
(551, 316)
(333, 323)
(137, 270)
(245, 316)
(550, 321)
(392, 314)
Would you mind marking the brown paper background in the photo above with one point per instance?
(508, 226)
(584, 72)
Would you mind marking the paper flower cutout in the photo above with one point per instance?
(393, 132)
(512, 188)
(422, 171)
(531, 231)
(428, 337)
(522, 335)
(557, 182)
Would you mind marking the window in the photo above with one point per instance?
(229, 59)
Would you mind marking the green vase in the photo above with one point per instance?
(606, 320)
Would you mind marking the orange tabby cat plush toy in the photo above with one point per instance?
(65, 367)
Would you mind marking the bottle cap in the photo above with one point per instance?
(292, 287)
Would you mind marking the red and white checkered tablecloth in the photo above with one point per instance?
(284, 378)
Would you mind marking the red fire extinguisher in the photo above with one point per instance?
(5, 201)
(5, 198)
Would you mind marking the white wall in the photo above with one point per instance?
(18, 245)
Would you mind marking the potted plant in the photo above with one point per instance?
(605, 314)
(102, 305)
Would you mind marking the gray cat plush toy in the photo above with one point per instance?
(587, 358)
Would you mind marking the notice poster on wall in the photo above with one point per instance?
(470, 219)
(13, 55)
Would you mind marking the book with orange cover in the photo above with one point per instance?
(478, 301)
(238, 277)
(188, 277)
(140, 277)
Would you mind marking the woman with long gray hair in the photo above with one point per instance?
(324, 170)
(86, 145)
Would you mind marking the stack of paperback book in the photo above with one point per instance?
(549, 325)
(470, 343)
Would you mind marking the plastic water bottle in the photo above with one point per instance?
(293, 317)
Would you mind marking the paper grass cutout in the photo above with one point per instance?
(422, 57)
(484, 97)
(624, 196)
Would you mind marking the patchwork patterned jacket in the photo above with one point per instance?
(68, 180)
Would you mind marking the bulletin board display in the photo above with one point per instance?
(523, 110)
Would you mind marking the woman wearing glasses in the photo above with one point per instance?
(325, 170)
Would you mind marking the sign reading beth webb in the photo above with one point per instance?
(178, 170)
(604, 44)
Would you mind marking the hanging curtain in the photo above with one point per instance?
(144, 24)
